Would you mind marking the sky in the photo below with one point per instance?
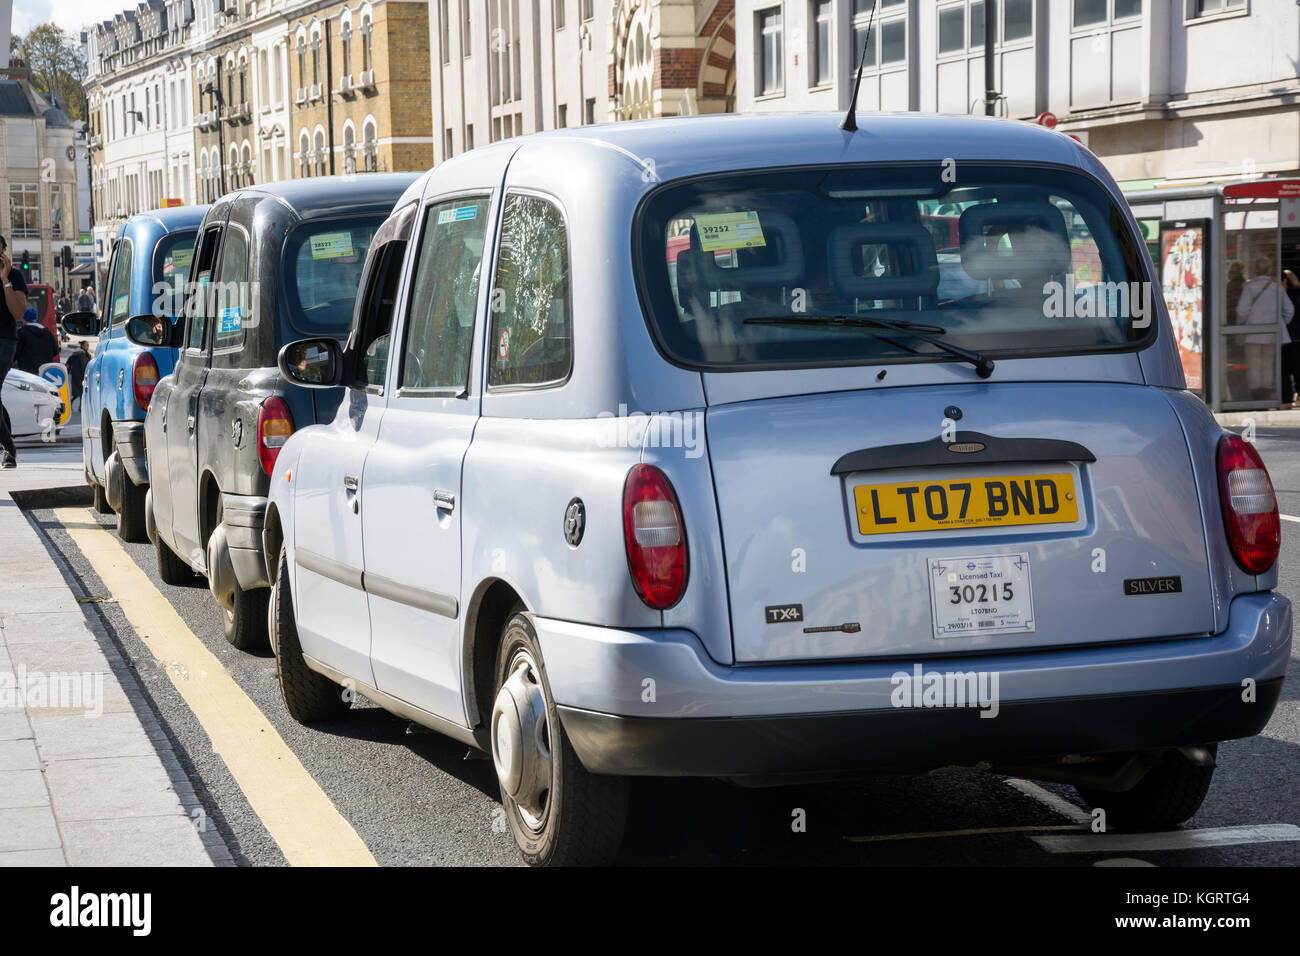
(72, 15)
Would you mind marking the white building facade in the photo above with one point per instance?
(1161, 90)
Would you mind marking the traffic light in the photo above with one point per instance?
(27, 260)
(67, 257)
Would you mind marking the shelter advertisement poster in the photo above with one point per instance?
(1182, 281)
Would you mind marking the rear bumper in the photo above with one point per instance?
(653, 703)
(128, 439)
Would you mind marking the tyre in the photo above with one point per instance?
(559, 814)
(245, 624)
(171, 568)
(308, 696)
(101, 499)
(1170, 793)
(130, 517)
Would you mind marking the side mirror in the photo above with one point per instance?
(314, 363)
(151, 331)
(82, 323)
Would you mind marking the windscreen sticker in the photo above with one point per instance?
(459, 214)
(120, 304)
(730, 230)
(332, 245)
(181, 258)
(231, 321)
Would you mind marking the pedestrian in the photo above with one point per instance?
(86, 301)
(1263, 302)
(1236, 279)
(1291, 351)
(12, 306)
(76, 364)
(36, 344)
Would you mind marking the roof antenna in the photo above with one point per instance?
(850, 121)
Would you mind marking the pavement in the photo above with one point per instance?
(88, 775)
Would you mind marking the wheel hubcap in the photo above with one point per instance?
(521, 740)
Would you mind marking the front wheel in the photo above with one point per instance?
(1170, 793)
(308, 696)
(559, 814)
(245, 623)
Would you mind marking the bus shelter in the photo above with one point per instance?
(1220, 251)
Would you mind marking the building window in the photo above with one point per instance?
(771, 59)
(366, 62)
(823, 41)
(559, 14)
(447, 144)
(469, 136)
(25, 210)
(371, 147)
(322, 154)
(315, 60)
(56, 210)
(562, 117)
(1093, 12)
(349, 150)
(466, 35)
(1018, 19)
(952, 23)
(1200, 8)
(589, 112)
(302, 62)
(304, 154)
(345, 42)
(588, 10)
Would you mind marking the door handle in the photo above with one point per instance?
(444, 500)
(189, 423)
(350, 487)
(96, 377)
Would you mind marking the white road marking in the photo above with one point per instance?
(1123, 861)
(1171, 840)
(1289, 518)
(935, 834)
(1051, 800)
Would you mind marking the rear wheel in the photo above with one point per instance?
(1170, 793)
(130, 517)
(560, 814)
(308, 696)
(101, 499)
(171, 568)
(245, 623)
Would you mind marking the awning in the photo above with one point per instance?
(83, 269)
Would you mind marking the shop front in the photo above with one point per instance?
(1220, 253)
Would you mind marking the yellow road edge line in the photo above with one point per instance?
(298, 814)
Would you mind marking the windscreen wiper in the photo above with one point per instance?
(926, 333)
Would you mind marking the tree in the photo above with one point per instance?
(57, 66)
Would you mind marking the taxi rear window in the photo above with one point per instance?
(796, 268)
(323, 263)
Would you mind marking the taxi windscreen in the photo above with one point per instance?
(854, 265)
(323, 263)
(171, 271)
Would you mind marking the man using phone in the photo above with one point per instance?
(12, 306)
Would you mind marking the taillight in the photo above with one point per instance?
(655, 537)
(144, 378)
(1249, 505)
(274, 426)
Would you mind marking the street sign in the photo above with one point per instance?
(1046, 119)
(1265, 189)
(56, 373)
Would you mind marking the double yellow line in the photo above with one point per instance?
(297, 813)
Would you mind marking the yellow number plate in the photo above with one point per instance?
(954, 504)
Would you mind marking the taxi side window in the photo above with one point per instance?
(444, 297)
(199, 308)
(531, 339)
(372, 333)
(232, 302)
(120, 294)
